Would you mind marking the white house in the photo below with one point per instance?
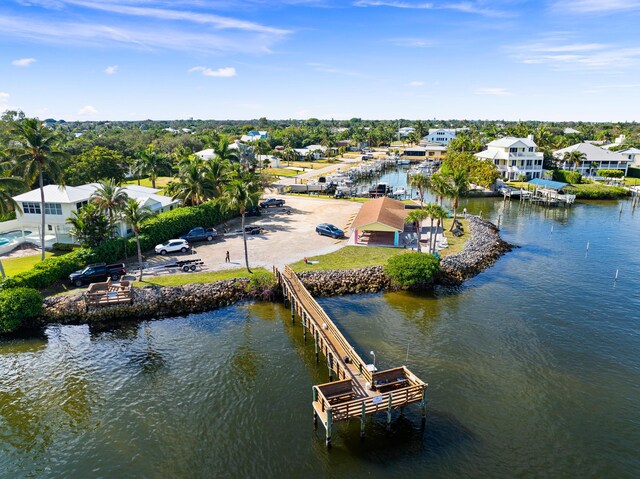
(254, 136)
(514, 157)
(441, 136)
(596, 158)
(61, 201)
(405, 131)
(313, 152)
(633, 154)
(570, 131)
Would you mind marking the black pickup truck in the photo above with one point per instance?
(97, 273)
(272, 202)
(200, 234)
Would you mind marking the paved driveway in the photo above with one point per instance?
(287, 238)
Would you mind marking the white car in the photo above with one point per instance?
(172, 246)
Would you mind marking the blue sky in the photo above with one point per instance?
(375, 59)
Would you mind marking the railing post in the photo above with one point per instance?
(304, 326)
(316, 338)
(330, 360)
(389, 411)
(362, 419)
(293, 311)
(328, 441)
(315, 414)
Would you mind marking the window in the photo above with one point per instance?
(513, 150)
(81, 204)
(31, 208)
(513, 162)
(531, 148)
(53, 209)
(496, 162)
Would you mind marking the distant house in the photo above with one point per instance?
(514, 157)
(254, 136)
(596, 158)
(425, 151)
(633, 154)
(380, 222)
(570, 131)
(312, 152)
(61, 201)
(405, 131)
(441, 136)
(274, 161)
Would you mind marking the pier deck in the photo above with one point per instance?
(359, 389)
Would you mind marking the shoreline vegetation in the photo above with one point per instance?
(479, 252)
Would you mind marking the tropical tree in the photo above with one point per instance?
(574, 157)
(110, 198)
(193, 185)
(440, 186)
(421, 182)
(241, 195)
(134, 215)
(89, 225)
(415, 218)
(8, 185)
(439, 214)
(218, 171)
(458, 187)
(152, 163)
(224, 153)
(33, 154)
(429, 208)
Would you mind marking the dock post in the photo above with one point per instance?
(293, 311)
(284, 294)
(362, 419)
(315, 414)
(316, 338)
(328, 427)
(304, 326)
(389, 411)
(330, 361)
(424, 405)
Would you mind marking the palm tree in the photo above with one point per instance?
(429, 208)
(439, 214)
(415, 218)
(8, 184)
(193, 185)
(33, 154)
(152, 163)
(421, 182)
(576, 157)
(224, 153)
(459, 186)
(110, 198)
(217, 170)
(89, 226)
(440, 186)
(134, 215)
(241, 195)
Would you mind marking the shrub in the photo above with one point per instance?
(16, 305)
(566, 176)
(412, 269)
(633, 172)
(596, 191)
(610, 173)
(261, 284)
(63, 247)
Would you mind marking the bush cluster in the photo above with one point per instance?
(157, 229)
(596, 191)
(633, 172)
(412, 269)
(566, 176)
(610, 173)
(16, 305)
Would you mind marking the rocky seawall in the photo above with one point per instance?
(482, 250)
(148, 303)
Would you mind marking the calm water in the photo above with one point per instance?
(533, 366)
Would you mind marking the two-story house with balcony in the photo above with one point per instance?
(514, 157)
(441, 136)
(595, 158)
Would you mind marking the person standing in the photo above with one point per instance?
(227, 258)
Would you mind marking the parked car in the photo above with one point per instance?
(327, 229)
(255, 211)
(271, 202)
(172, 246)
(200, 234)
(253, 230)
(97, 273)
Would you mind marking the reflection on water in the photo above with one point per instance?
(533, 371)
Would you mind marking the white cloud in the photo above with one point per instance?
(416, 83)
(412, 42)
(87, 110)
(111, 70)
(323, 68)
(595, 6)
(472, 7)
(23, 62)
(224, 72)
(561, 55)
(493, 91)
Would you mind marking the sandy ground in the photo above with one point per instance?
(287, 238)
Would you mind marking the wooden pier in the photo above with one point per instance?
(359, 389)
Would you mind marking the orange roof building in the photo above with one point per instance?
(382, 215)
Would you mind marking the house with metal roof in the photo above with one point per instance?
(425, 151)
(632, 154)
(380, 222)
(514, 157)
(595, 158)
(61, 201)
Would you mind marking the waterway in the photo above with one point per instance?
(533, 370)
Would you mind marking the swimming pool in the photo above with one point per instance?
(6, 238)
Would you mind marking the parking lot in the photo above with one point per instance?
(284, 238)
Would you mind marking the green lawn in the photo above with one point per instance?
(281, 172)
(349, 257)
(161, 182)
(13, 266)
(179, 279)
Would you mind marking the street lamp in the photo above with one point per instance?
(374, 359)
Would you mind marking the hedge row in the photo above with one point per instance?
(157, 229)
(566, 176)
(16, 305)
(633, 172)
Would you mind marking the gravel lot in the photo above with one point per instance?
(287, 238)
